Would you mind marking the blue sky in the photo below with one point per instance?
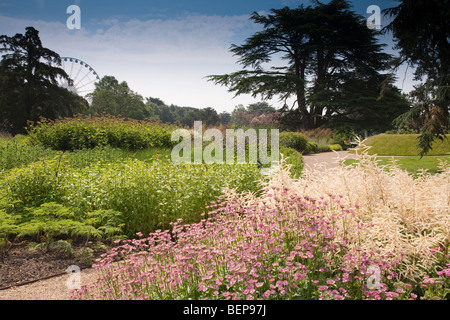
(161, 48)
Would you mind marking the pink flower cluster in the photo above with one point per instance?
(279, 247)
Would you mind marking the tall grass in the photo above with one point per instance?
(409, 214)
(150, 195)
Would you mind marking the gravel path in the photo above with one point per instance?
(57, 289)
(326, 159)
(51, 289)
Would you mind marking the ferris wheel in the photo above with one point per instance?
(83, 76)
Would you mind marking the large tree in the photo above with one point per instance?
(117, 99)
(29, 88)
(321, 47)
(422, 34)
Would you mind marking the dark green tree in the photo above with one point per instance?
(358, 107)
(29, 90)
(422, 34)
(320, 45)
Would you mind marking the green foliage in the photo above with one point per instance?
(295, 140)
(294, 159)
(335, 147)
(47, 222)
(420, 30)
(328, 41)
(184, 116)
(109, 199)
(35, 184)
(18, 152)
(90, 132)
(117, 99)
(8, 227)
(311, 148)
(63, 247)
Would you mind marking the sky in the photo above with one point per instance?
(161, 48)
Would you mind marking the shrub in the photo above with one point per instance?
(294, 159)
(294, 140)
(35, 184)
(149, 195)
(18, 152)
(311, 148)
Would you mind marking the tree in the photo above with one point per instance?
(225, 118)
(322, 47)
(117, 99)
(421, 31)
(29, 89)
(360, 108)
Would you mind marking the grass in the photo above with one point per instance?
(412, 164)
(403, 145)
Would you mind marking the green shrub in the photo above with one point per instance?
(147, 195)
(36, 184)
(293, 158)
(18, 152)
(8, 228)
(311, 148)
(335, 147)
(47, 222)
(294, 140)
(90, 132)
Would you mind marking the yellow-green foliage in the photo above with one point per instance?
(149, 195)
(403, 145)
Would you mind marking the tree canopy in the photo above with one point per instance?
(117, 99)
(29, 88)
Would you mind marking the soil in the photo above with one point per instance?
(23, 266)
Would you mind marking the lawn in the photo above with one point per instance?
(412, 164)
(403, 145)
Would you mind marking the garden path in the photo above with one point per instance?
(326, 159)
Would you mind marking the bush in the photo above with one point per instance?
(19, 152)
(311, 148)
(149, 195)
(294, 140)
(90, 132)
(335, 147)
(294, 159)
